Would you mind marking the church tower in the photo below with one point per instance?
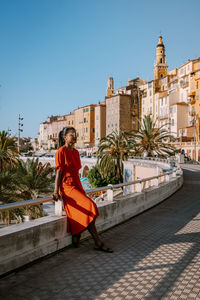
(160, 66)
(110, 89)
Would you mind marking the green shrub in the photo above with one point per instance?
(96, 180)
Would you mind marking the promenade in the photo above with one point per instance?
(157, 256)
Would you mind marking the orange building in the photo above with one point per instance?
(84, 123)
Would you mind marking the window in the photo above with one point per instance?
(197, 95)
(172, 122)
(97, 117)
(192, 85)
(150, 100)
(161, 60)
(193, 110)
(150, 93)
(144, 93)
(86, 129)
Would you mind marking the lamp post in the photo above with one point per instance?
(195, 133)
(20, 124)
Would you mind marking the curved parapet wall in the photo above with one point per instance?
(87, 163)
(23, 243)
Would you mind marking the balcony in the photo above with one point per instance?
(163, 94)
(184, 84)
(191, 113)
(163, 117)
(192, 94)
(191, 98)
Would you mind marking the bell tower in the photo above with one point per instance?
(160, 66)
(110, 88)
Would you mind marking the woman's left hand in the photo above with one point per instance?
(56, 196)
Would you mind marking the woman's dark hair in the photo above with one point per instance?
(62, 133)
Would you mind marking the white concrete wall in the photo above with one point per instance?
(23, 243)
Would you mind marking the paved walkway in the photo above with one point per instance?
(157, 256)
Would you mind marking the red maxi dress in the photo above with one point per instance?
(79, 208)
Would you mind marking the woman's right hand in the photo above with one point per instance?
(56, 196)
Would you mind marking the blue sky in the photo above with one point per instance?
(56, 55)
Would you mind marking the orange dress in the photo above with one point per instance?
(79, 208)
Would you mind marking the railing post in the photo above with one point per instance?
(174, 174)
(167, 177)
(58, 208)
(138, 187)
(156, 183)
(110, 193)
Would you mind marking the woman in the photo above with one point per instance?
(81, 211)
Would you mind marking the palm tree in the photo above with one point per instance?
(112, 150)
(153, 141)
(34, 179)
(27, 181)
(8, 151)
(8, 195)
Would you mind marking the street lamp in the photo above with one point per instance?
(20, 124)
(195, 133)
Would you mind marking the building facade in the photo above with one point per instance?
(84, 123)
(100, 122)
(49, 131)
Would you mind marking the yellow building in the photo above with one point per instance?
(84, 123)
(194, 98)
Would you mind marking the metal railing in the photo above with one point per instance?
(139, 187)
